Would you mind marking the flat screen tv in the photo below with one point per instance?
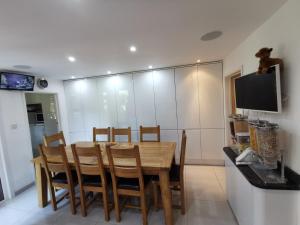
(259, 92)
(16, 81)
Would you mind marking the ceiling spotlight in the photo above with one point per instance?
(150, 67)
(22, 67)
(132, 48)
(71, 59)
(211, 35)
(198, 61)
(73, 77)
(108, 72)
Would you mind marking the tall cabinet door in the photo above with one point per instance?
(165, 99)
(107, 102)
(73, 91)
(90, 106)
(188, 111)
(144, 99)
(187, 98)
(125, 101)
(210, 82)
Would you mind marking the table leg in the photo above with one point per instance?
(41, 185)
(166, 196)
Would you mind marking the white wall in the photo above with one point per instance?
(188, 98)
(282, 33)
(15, 135)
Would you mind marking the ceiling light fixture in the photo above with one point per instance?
(22, 67)
(211, 35)
(198, 61)
(108, 72)
(132, 48)
(71, 58)
(150, 67)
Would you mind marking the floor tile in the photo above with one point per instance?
(205, 204)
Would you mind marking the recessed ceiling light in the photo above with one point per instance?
(108, 72)
(22, 67)
(132, 48)
(150, 67)
(71, 58)
(211, 35)
(73, 77)
(198, 61)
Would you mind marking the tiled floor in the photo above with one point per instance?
(206, 205)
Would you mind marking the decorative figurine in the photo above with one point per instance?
(266, 62)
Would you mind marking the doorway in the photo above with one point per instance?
(42, 117)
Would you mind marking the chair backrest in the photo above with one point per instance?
(182, 153)
(125, 163)
(88, 161)
(58, 137)
(121, 131)
(55, 161)
(101, 131)
(150, 130)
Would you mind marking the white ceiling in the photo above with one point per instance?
(42, 33)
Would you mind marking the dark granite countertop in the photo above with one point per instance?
(293, 179)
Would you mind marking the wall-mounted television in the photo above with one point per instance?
(16, 81)
(259, 92)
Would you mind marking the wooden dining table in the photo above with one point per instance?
(156, 159)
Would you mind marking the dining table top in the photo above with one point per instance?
(154, 155)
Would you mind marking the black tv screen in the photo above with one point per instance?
(259, 92)
(16, 81)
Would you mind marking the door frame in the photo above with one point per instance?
(229, 98)
(59, 124)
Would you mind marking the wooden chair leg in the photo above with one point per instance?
(72, 200)
(182, 199)
(144, 209)
(155, 196)
(53, 197)
(82, 203)
(105, 204)
(117, 206)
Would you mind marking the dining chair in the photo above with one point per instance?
(59, 174)
(101, 131)
(121, 132)
(150, 130)
(127, 177)
(176, 177)
(91, 175)
(54, 139)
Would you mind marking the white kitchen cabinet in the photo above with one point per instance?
(125, 101)
(74, 106)
(172, 136)
(187, 98)
(165, 99)
(107, 102)
(144, 99)
(210, 83)
(90, 106)
(193, 146)
(212, 143)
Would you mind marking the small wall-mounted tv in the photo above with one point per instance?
(259, 92)
(16, 81)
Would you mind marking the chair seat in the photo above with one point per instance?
(132, 183)
(61, 178)
(95, 180)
